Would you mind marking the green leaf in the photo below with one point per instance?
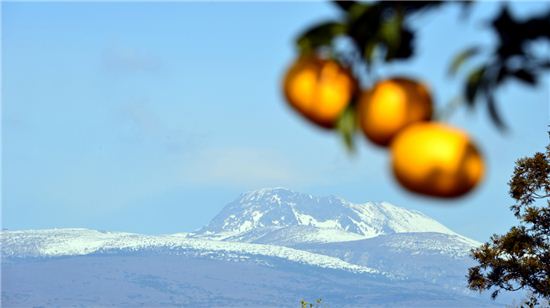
(390, 32)
(461, 58)
(320, 35)
(370, 52)
(352, 9)
(357, 10)
(405, 49)
(473, 84)
(396, 38)
(346, 127)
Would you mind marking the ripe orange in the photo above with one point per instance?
(390, 106)
(436, 160)
(319, 89)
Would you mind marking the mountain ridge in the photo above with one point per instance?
(380, 254)
(81, 241)
(258, 213)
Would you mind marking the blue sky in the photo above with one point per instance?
(149, 117)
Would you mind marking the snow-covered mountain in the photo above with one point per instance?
(405, 244)
(79, 242)
(427, 256)
(269, 247)
(81, 267)
(282, 216)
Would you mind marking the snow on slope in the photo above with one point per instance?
(433, 257)
(71, 242)
(456, 246)
(258, 214)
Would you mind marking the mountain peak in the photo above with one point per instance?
(274, 193)
(277, 194)
(255, 214)
(270, 190)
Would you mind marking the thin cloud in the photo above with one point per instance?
(245, 167)
(141, 118)
(138, 121)
(129, 60)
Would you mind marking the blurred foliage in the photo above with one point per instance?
(376, 33)
(380, 32)
(512, 58)
(346, 125)
(520, 259)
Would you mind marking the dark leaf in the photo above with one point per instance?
(405, 49)
(320, 35)
(493, 112)
(503, 73)
(473, 84)
(511, 34)
(526, 76)
(357, 10)
(461, 58)
(396, 38)
(411, 7)
(344, 5)
(364, 27)
(537, 27)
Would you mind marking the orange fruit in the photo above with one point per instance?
(319, 89)
(391, 105)
(436, 160)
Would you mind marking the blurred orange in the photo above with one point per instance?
(319, 89)
(391, 105)
(436, 160)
